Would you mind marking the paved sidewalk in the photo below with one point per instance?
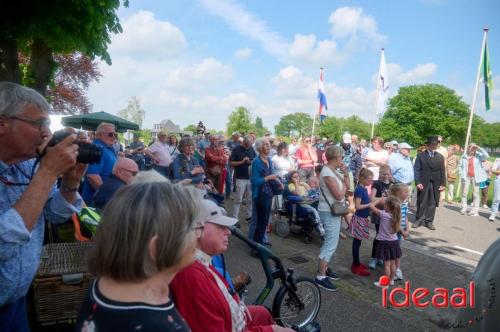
(356, 306)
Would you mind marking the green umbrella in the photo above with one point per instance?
(90, 121)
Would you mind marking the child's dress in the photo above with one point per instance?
(359, 227)
(388, 247)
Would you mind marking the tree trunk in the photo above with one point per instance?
(9, 63)
(42, 66)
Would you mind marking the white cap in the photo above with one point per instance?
(346, 138)
(212, 213)
(405, 146)
(394, 142)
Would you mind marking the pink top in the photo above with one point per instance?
(306, 158)
(385, 231)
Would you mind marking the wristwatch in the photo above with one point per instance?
(66, 189)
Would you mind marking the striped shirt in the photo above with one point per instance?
(404, 213)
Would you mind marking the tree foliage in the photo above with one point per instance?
(295, 124)
(133, 112)
(192, 128)
(39, 29)
(260, 130)
(240, 120)
(419, 111)
(334, 128)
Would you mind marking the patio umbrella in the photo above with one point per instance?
(90, 121)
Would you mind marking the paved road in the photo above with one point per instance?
(431, 259)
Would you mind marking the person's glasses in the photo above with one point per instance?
(39, 124)
(198, 230)
(115, 135)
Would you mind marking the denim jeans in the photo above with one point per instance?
(331, 224)
(13, 317)
(253, 225)
(496, 196)
(263, 209)
(471, 181)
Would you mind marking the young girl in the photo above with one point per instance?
(379, 189)
(359, 225)
(302, 189)
(388, 247)
(400, 191)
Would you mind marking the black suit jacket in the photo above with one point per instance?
(427, 169)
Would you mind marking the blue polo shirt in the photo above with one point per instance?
(104, 169)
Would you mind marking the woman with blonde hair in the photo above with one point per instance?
(146, 236)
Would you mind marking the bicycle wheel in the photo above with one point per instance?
(287, 312)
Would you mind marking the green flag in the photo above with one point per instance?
(487, 76)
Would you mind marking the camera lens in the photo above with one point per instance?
(88, 153)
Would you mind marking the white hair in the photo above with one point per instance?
(102, 125)
(14, 99)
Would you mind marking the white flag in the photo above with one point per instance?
(382, 87)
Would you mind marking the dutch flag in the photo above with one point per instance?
(322, 97)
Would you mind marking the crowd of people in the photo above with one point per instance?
(157, 271)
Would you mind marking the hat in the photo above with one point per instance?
(404, 145)
(346, 138)
(212, 213)
(394, 142)
(432, 140)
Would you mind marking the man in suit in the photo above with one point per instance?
(430, 181)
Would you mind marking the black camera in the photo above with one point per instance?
(88, 153)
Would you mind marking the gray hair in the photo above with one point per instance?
(185, 141)
(247, 139)
(149, 176)
(259, 142)
(333, 151)
(14, 98)
(102, 125)
(133, 217)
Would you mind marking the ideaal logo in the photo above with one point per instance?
(419, 297)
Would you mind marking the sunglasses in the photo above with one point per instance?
(134, 173)
(111, 134)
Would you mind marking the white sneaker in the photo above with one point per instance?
(399, 274)
(485, 206)
(463, 211)
(473, 214)
(492, 218)
(376, 283)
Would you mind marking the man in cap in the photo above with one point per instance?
(202, 295)
(402, 167)
(430, 180)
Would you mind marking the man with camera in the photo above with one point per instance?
(28, 194)
(105, 138)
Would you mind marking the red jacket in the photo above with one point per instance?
(201, 303)
(215, 156)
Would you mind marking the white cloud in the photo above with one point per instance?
(148, 38)
(243, 53)
(291, 82)
(358, 29)
(420, 74)
(207, 74)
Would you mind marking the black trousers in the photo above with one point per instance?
(426, 205)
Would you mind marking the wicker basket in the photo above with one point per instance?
(61, 282)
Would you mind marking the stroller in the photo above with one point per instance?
(298, 219)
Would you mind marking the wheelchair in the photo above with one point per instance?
(294, 218)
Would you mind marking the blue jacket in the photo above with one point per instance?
(256, 178)
(479, 172)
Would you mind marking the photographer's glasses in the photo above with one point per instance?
(39, 124)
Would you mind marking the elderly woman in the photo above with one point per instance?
(334, 180)
(264, 184)
(282, 162)
(306, 159)
(153, 238)
(185, 166)
(472, 174)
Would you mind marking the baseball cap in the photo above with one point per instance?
(405, 145)
(394, 142)
(210, 212)
(346, 138)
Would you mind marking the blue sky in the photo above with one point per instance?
(198, 60)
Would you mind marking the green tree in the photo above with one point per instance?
(260, 130)
(39, 29)
(133, 112)
(296, 124)
(144, 134)
(240, 120)
(419, 111)
(334, 128)
(192, 128)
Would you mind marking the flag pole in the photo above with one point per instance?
(473, 105)
(378, 92)
(314, 123)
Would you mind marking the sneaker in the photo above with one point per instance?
(376, 283)
(359, 271)
(372, 263)
(485, 206)
(492, 218)
(399, 274)
(463, 211)
(325, 283)
(474, 214)
(380, 262)
(332, 275)
(363, 266)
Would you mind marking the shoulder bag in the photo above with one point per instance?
(337, 208)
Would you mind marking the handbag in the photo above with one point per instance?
(336, 208)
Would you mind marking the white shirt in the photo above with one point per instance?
(282, 165)
(161, 151)
(378, 156)
(326, 171)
